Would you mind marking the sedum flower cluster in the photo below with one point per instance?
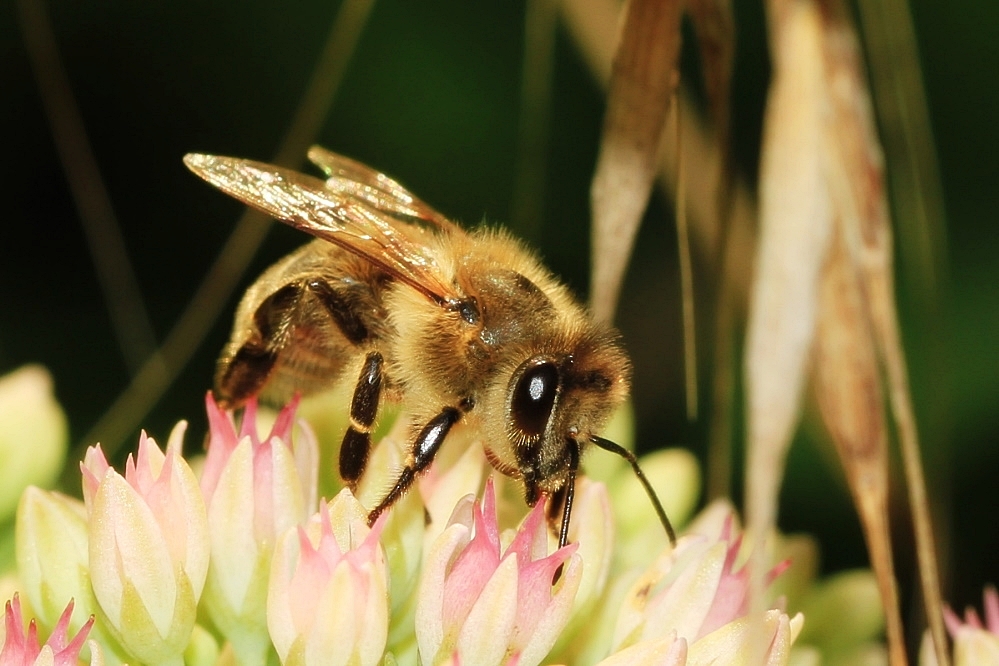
(232, 558)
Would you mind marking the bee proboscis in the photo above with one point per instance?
(462, 326)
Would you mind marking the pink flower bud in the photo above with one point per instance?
(148, 547)
(22, 648)
(328, 596)
(478, 605)
(692, 590)
(975, 641)
(255, 489)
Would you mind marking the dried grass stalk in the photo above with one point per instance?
(592, 26)
(643, 80)
(867, 226)
(848, 391)
(715, 27)
(795, 229)
(822, 170)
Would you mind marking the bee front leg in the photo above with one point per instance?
(427, 443)
(363, 408)
(569, 489)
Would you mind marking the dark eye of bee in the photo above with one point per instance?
(533, 399)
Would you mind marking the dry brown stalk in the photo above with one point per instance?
(686, 274)
(823, 76)
(848, 391)
(592, 26)
(869, 228)
(715, 27)
(643, 79)
(796, 221)
(902, 107)
(715, 201)
(855, 307)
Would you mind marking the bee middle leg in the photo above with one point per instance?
(363, 407)
(427, 443)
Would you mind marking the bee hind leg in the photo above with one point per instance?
(246, 368)
(427, 443)
(363, 408)
(243, 373)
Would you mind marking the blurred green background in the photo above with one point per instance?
(432, 97)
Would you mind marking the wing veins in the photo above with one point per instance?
(336, 215)
(344, 174)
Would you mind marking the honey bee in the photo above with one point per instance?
(462, 326)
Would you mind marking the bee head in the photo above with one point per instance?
(554, 398)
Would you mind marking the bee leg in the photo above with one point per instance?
(244, 374)
(363, 408)
(339, 309)
(556, 504)
(424, 449)
(572, 448)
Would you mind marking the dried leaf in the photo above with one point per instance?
(858, 184)
(592, 26)
(795, 229)
(848, 391)
(715, 28)
(643, 80)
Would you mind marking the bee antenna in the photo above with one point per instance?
(608, 445)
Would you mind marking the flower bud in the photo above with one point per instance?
(254, 492)
(592, 527)
(735, 642)
(32, 434)
(482, 606)
(22, 648)
(148, 547)
(843, 611)
(328, 596)
(52, 555)
(675, 476)
(975, 641)
(669, 651)
(692, 590)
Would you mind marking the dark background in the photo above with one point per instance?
(432, 97)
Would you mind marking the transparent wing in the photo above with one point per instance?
(362, 221)
(375, 188)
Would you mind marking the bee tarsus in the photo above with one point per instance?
(427, 443)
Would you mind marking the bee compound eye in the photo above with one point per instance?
(533, 399)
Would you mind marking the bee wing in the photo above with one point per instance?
(337, 215)
(375, 188)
